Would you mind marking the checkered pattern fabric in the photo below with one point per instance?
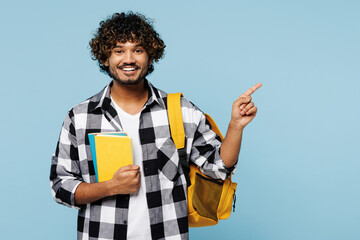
(164, 180)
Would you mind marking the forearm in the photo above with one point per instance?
(230, 148)
(243, 112)
(91, 192)
(126, 180)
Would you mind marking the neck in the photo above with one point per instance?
(131, 98)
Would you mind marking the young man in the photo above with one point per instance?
(146, 200)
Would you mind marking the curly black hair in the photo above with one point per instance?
(124, 27)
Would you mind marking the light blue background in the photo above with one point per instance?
(298, 173)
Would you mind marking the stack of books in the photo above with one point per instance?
(110, 151)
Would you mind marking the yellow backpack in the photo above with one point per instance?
(209, 200)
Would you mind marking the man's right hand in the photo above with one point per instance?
(126, 180)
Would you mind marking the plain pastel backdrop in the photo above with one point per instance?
(298, 172)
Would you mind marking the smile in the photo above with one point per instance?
(128, 69)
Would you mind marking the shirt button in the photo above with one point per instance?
(125, 222)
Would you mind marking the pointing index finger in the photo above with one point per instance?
(252, 89)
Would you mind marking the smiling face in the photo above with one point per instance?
(128, 63)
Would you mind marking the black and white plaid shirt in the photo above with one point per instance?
(164, 180)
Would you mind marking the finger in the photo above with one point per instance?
(252, 89)
(136, 181)
(129, 168)
(132, 174)
(242, 106)
(245, 104)
(137, 186)
(136, 167)
(247, 108)
(252, 111)
(134, 185)
(242, 100)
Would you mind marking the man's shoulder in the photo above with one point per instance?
(185, 102)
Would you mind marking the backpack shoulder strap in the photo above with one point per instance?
(214, 127)
(177, 130)
(176, 119)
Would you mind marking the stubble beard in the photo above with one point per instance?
(114, 75)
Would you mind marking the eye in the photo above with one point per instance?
(139, 51)
(118, 51)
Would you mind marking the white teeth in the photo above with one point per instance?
(128, 69)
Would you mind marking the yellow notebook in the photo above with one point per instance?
(112, 153)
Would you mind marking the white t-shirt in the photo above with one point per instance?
(138, 217)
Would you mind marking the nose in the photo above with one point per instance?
(129, 57)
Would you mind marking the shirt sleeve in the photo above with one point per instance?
(205, 150)
(65, 173)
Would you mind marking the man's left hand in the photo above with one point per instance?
(244, 110)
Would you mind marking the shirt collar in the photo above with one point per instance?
(103, 100)
(154, 95)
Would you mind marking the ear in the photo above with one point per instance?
(150, 62)
(106, 63)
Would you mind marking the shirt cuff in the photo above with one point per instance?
(66, 193)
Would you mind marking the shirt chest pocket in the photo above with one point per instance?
(167, 158)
